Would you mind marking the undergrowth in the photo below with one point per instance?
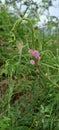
(29, 93)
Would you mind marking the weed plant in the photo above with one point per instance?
(29, 93)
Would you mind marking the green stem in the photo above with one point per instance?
(19, 22)
(49, 66)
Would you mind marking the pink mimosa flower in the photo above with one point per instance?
(35, 53)
(32, 62)
(38, 57)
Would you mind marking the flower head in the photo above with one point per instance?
(35, 53)
(32, 62)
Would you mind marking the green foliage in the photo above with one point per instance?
(6, 22)
(4, 123)
(29, 94)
